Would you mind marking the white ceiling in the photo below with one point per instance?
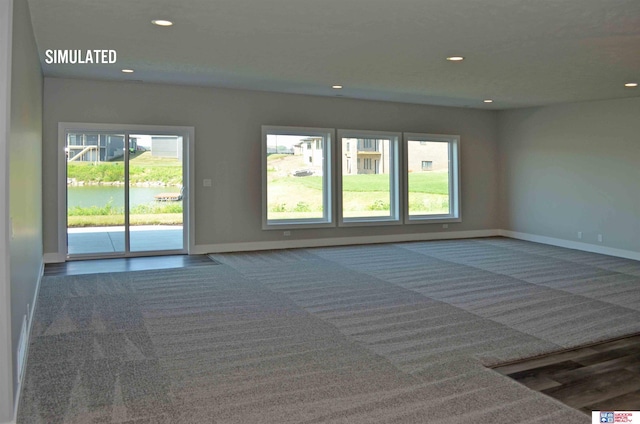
(518, 52)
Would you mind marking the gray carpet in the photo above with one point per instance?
(394, 333)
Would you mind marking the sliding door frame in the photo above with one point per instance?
(188, 173)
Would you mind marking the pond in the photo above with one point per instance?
(87, 196)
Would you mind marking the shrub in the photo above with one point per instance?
(279, 207)
(107, 209)
(156, 208)
(379, 205)
(302, 207)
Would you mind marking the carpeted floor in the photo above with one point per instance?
(394, 333)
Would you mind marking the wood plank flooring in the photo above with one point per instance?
(599, 377)
(96, 266)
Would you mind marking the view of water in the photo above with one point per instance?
(87, 196)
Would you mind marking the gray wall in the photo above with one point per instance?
(24, 186)
(228, 147)
(573, 167)
(6, 379)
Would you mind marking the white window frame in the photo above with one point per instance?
(394, 178)
(327, 220)
(455, 211)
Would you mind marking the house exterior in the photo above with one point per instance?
(365, 156)
(427, 156)
(311, 150)
(87, 147)
(166, 147)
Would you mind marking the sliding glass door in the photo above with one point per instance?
(125, 193)
(156, 192)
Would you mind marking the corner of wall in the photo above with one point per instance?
(6, 369)
(569, 244)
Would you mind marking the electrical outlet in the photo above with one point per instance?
(599, 238)
(286, 233)
(206, 182)
(579, 235)
(445, 226)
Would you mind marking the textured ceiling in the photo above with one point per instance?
(518, 52)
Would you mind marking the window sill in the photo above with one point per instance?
(434, 220)
(364, 222)
(296, 225)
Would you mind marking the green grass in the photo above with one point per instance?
(363, 195)
(305, 182)
(146, 159)
(116, 220)
(275, 156)
(428, 182)
(108, 215)
(142, 168)
(157, 208)
(109, 209)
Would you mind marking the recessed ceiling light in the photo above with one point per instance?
(455, 58)
(336, 87)
(631, 84)
(162, 22)
(128, 71)
(488, 101)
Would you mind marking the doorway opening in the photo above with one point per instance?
(126, 191)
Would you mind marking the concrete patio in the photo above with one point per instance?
(98, 240)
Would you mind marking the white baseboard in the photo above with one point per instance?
(202, 249)
(570, 244)
(338, 241)
(398, 238)
(28, 336)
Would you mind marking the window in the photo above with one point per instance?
(432, 178)
(368, 193)
(297, 185)
(427, 165)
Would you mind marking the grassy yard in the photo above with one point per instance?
(277, 156)
(142, 168)
(108, 209)
(363, 195)
(117, 220)
(426, 182)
